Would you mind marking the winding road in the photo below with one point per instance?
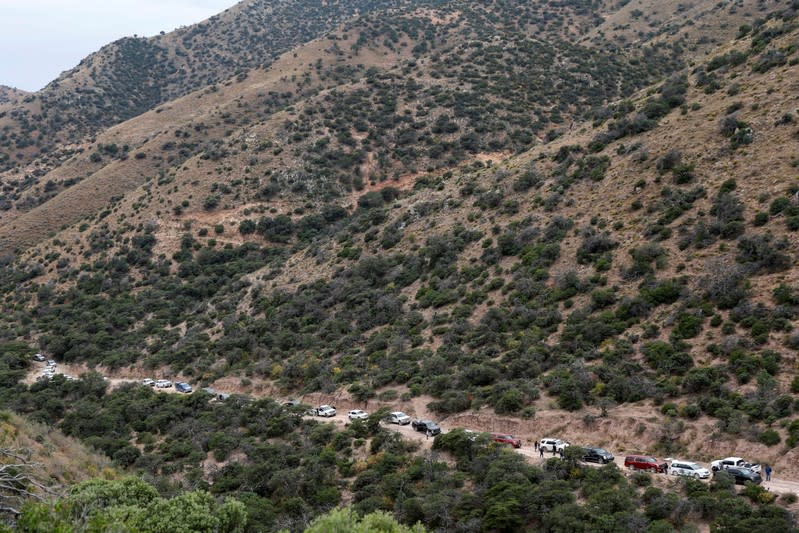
(776, 485)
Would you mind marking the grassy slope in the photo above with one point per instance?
(61, 460)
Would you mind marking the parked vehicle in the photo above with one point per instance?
(504, 438)
(553, 445)
(426, 426)
(183, 387)
(290, 403)
(597, 455)
(148, 382)
(324, 410)
(163, 383)
(357, 414)
(645, 462)
(38, 357)
(51, 363)
(687, 468)
(398, 417)
(741, 475)
(724, 464)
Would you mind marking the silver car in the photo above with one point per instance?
(687, 468)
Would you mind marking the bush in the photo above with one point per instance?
(769, 437)
(247, 226)
(760, 219)
(762, 254)
(688, 326)
(670, 160)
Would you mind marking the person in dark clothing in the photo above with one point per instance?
(536, 445)
(768, 472)
(561, 453)
(541, 451)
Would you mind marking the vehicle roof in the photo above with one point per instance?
(398, 413)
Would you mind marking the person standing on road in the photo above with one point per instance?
(541, 451)
(561, 453)
(536, 445)
(768, 472)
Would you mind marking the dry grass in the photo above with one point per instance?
(63, 460)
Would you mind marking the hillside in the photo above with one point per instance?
(46, 461)
(135, 74)
(444, 212)
(452, 110)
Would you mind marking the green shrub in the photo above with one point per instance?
(761, 219)
(769, 437)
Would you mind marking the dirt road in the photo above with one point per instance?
(776, 485)
(75, 371)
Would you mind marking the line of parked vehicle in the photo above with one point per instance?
(741, 470)
(49, 371)
(180, 386)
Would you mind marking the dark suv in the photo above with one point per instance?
(645, 462)
(426, 426)
(597, 455)
(741, 475)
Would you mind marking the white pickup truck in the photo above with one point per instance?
(323, 410)
(723, 464)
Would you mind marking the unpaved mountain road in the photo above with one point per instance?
(778, 486)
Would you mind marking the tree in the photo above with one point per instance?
(345, 520)
(19, 480)
(130, 504)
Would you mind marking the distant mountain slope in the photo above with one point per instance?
(134, 74)
(379, 98)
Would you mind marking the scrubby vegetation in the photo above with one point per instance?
(462, 202)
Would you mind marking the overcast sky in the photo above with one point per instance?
(39, 39)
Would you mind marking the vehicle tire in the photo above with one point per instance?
(696, 476)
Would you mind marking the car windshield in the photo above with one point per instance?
(600, 451)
